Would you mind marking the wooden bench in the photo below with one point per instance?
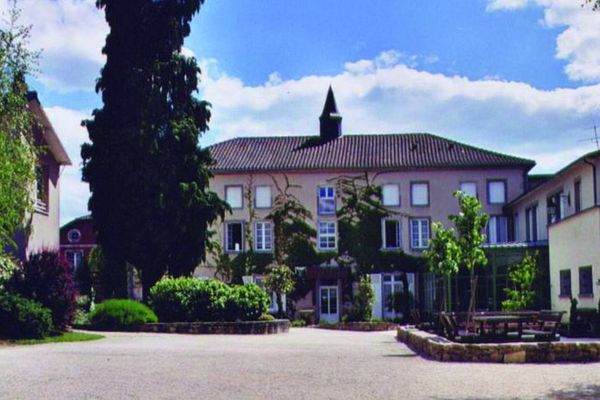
(546, 326)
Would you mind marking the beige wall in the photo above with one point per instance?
(574, 243)
(442, 183)
(46, 224)
(564, 182)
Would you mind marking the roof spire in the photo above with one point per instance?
(330, 119)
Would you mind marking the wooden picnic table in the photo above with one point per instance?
(495, 320)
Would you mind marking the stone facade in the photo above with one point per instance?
(438, 348)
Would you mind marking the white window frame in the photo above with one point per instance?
(75, 253)
(490, 182)
(327, 198)
(384, 233)
(327, 235)
(227, 196)
(74, 230)
(263, 245)
(415, 185)
(257, 203)
(464, 183)
(395, 200)
(492, 229)
(242, 244)
(421, 243)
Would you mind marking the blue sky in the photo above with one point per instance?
(517, 76)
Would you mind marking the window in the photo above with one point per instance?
(326, 200)
(496, 192)
(263, 236)
(391, 195)
(234, 236)
(392, 234)
(469, 188)
(74, 236)
(419, 194)
(419, 233)
(565, 283)
(497, 229)
(586, 283)
(74, 258)
(234, 197)
(531, 224)
(326, 236)
(556, 207)
(263, 197)
(577, 195)
(42, 181)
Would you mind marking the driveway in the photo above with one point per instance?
(304, 364)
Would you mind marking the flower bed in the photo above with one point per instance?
(361, 326)
(220, 328)
(439, 348)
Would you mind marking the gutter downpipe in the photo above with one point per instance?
(585, 160)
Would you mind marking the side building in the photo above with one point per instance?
(418, 174)
(42, 230)
(563, 213)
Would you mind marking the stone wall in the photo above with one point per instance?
(361, 326)
(438, 348)
(221, 328)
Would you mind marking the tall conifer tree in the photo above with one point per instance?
(147, 174)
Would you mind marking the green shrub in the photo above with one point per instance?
(170, 298)
(298, 323)
(207, 300)
(246, 303)
(362, 307)
(21, 318)
(8, 266)
(121, 315)
(266, 317)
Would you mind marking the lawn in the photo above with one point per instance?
(62, 338)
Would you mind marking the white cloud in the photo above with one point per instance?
(71, 34)
(376, 97)
(579, 41)
(73, 192)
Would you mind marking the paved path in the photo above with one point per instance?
(304, 364)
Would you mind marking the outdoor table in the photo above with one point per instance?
(495, 320)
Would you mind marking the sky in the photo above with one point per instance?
(515, 76)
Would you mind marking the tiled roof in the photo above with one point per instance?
(390, 151)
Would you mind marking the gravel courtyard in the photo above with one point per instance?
(304, 364)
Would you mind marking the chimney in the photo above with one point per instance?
(330, 119)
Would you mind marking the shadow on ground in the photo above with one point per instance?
(579, 392)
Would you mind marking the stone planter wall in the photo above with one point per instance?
(438, 348)
(220, 328)
(361, 326)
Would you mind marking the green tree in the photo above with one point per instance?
(362, 304)
(443, 257)
(520, 293)
(148, 175)
(17, 147)
(280, 281)
(290, 227)
(470, 224)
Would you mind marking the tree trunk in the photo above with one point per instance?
(473, 298)
(149, 279)
(279, 305)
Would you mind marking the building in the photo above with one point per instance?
(77, 239)
(43, 227)
(418, 173)
(562, 213)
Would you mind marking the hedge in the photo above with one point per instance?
(21, 318)
(121, 315)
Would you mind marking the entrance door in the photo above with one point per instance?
(329, 303)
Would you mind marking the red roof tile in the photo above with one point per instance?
(392, 151)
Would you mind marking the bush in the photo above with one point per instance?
(117, 314)
(8, 267)
(266, 317)
(246, 303)
(48, 279)
(22, 318)
(170, 298)
(362, 308)
(191, 299)
(298, 323)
